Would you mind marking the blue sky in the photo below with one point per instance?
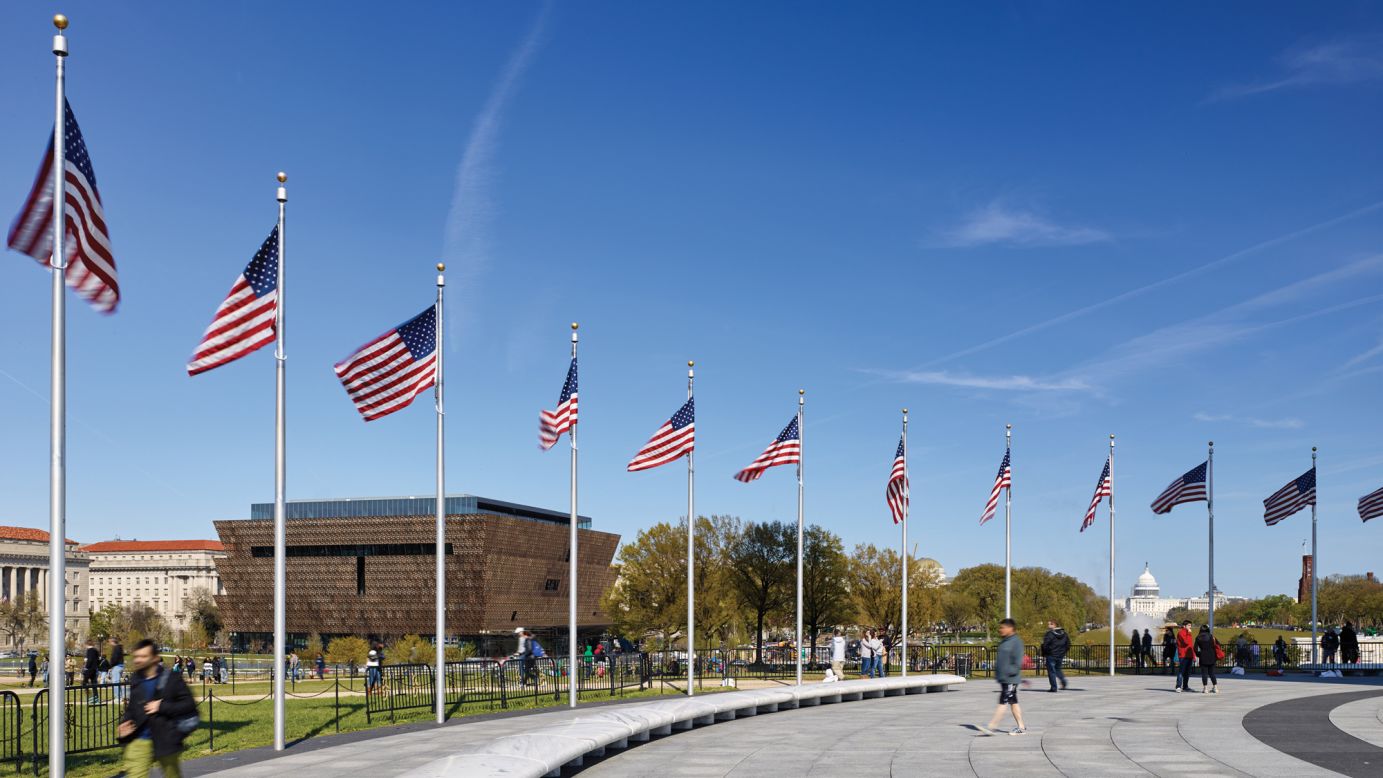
(1077, 218)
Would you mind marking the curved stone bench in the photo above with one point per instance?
(546, 749)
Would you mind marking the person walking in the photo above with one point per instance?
(1055, 645)
(1349, 644)
(33, 667)
(867, 655)
(1169, 651)
(1208, 652)
(1330, 643)
(1135, 650)
(372, 672)
(157, 719)
(1280, 652)
(90, 672)
(1008, 671)
(1149, 659)
(321, 662)
(880, 654)
(838, 654)
(117, 668)
(1185, 656)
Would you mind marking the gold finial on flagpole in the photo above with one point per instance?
(801, 391)
(441, 267)
(574, 325)
(282, 177)
(690, 363)
(60, 21)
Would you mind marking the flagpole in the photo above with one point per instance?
(573, 677)
(1008, 530)
(691, 553)
(1111, 554)
(280, 472)
(905, 542)
(439, 685)
(57, 474)
(1210, 510)
(1315, 563)
(801, 444)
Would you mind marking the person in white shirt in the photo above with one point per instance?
(867, 654)
(838, 654)
(876, 647)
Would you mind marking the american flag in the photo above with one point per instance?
(551, 424)
(245, 320)
(1104, 488)
(1002, 481)
(1188, 488)
(898, 484)
(1371, 505)
(385, 374)
(786, 449)
(1291, 498)
(676, 437)
(90, 264)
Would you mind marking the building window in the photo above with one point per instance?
(359, 577)
(552, 584)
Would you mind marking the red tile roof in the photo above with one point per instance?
(26, 533)
(129, 546)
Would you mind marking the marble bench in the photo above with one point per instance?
(545, 749)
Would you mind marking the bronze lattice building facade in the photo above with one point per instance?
(367, 567)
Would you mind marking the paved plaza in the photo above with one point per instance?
(1129, 725)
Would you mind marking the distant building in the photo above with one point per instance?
(160, 573)
(1304, 582)
(1146, 599)
(365, 567)
(24, 574)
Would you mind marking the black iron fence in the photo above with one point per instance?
(92, 714)
(12, 729)
(497, 684)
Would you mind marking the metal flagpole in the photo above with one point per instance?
(1111, 553)
(280, 504)
(1008, 531)
(1210, 510)
(801, 441)
(1315, 566)
(905, 541)
(439, 393)
(57, 477)
(691, 554)
(573, 677)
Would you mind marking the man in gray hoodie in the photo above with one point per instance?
(1008, 670)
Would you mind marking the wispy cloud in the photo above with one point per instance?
(1154, 286)
(1003, 224)
(1364, 356)
(1267, 424)
(1013, 383)
(466, 240)
(1334, 63)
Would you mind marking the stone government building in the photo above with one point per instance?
(24, 573)
(366, 567)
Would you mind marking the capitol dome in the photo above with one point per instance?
(1147, 584)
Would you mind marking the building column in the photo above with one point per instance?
(5, 582)
(39, 588)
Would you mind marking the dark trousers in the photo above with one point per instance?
(1054, 672)
(1208, 672)
(1184, 674)
(1138, 661)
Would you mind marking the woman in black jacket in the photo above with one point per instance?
(1207, 655)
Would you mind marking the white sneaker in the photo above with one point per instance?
(1018, 731)
(1205, 690)
(1214, 690)
(1177, 690)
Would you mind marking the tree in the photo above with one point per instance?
(717, 611)
(347, 649)
(649, 593)
(762, 572)
(203, 610)
(825, 594)
(22, 618)
(106, 623)
(411, 650)
(314, 646)
(1039, 595)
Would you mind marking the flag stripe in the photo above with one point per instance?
(1103, 488)
(385, 374)
(1371, 505)
(245, 320)
(551, 424)
(786, 449)
(1002, 481)
(675, 438)
(1297, 494)
(896, 492)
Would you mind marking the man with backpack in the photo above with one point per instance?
(161, 714)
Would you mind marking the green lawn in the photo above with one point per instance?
(1226, 636)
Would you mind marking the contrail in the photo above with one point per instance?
(1193, 272)
(464, 243)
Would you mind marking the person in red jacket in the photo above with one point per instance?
(1186, 655)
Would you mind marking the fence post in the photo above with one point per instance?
(336, 686)
(211, 718)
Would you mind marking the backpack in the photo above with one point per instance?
(185, 725)
(537, 649)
